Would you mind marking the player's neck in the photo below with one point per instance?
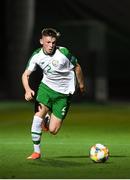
(50, 54)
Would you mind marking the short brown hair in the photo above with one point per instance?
(50, 32)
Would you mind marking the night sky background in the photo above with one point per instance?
(97, 33)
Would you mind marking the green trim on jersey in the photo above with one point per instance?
(35, 52)
(66, 52)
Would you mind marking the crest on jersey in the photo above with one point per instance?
(55, 62)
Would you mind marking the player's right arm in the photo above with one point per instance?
(29, 93)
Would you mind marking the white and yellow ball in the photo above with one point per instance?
(99, 153)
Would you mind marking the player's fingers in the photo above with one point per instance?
(28, 98)
(33, 93)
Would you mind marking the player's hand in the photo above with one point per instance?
(82, 90)
(29, 94)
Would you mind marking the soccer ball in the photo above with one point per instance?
(99, 153)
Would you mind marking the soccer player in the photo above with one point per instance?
(61, 72)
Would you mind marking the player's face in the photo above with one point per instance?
(48, 44)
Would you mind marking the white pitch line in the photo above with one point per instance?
(53, 143)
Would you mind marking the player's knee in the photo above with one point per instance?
(53, 131)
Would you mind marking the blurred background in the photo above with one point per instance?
(97, 32)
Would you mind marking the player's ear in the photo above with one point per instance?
(41, 41)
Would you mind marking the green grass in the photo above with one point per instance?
(66, 155)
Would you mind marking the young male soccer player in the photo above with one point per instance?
(61, 71)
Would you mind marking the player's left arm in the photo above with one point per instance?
(80, 78)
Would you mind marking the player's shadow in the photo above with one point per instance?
(64, 161)
(59, 162)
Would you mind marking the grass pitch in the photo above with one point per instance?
(66, 155)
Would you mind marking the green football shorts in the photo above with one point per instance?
(57, 103)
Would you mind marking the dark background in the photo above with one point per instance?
(97, 32)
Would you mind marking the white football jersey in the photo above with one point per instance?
(58, 69)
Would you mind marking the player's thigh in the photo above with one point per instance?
(55, 124)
